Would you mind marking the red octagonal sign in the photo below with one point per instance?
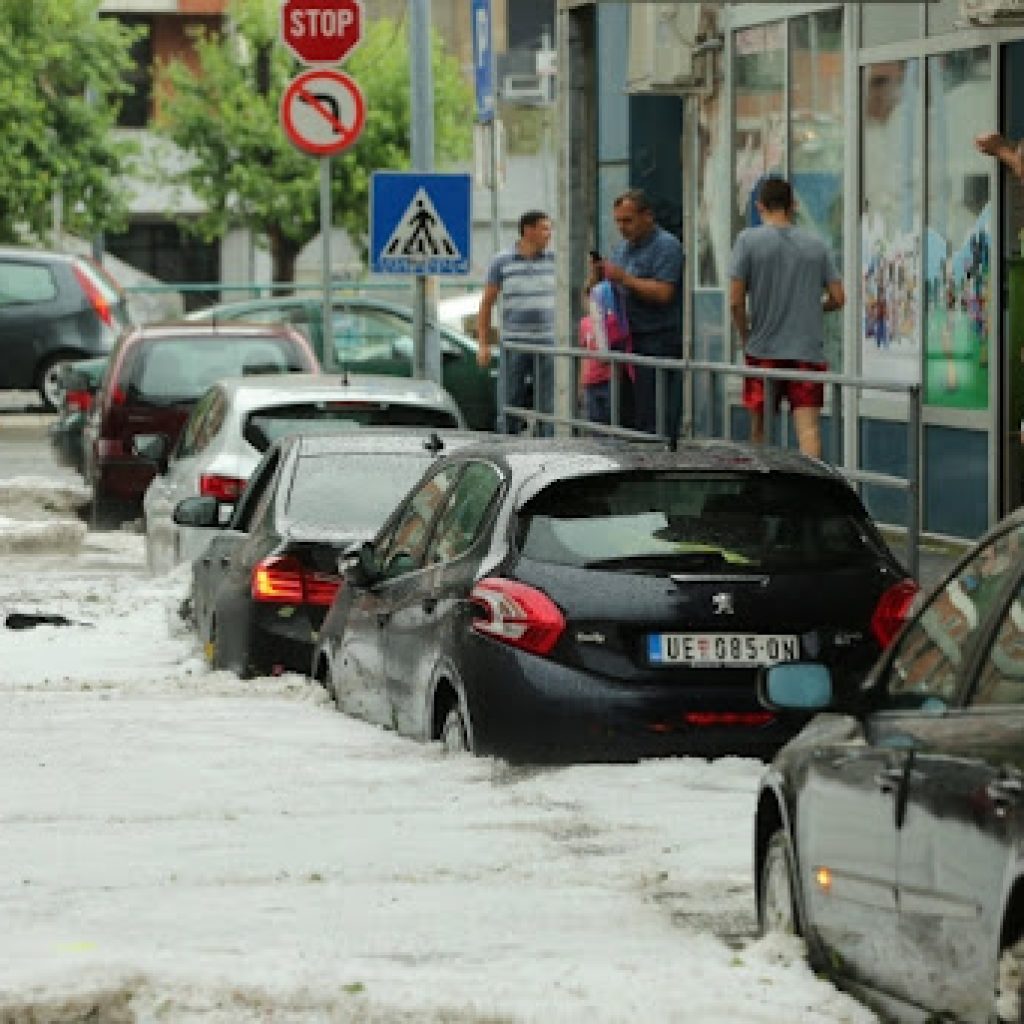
(321, 31)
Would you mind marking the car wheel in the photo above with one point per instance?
(48, 380)
(454, 734)
(776, 904)
(1009, 997)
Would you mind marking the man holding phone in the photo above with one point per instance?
(648, 266)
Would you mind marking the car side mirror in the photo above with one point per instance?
(153, 448)
(196, 511)
(358, 564)
(795, 686)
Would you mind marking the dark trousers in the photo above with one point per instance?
(668, 344)
(519, 370)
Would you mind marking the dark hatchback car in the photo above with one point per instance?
(54, 308)
(154, 378)
(577, 598)
(263, 585)
(890, 832)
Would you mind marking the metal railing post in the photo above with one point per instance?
(835, 428)
(660, 410)
(769, 409)
(914, 481)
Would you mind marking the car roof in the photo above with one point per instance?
(204, 329)
(385, 440)
(23, 251)
(549, 459)
(338, 301)
(268, 388)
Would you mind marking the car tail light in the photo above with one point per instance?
(285, 580)
(891, 611)
(96, 298)
(517, 614)
(223, 488)
(79, 401)
(118, 396)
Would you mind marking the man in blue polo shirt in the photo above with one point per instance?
(525, 278)
(648, 265)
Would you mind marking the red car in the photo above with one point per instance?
(154, 377)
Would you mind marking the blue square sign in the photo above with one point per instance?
(420, 223)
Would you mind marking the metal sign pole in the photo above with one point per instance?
(426, 348)
(328, 356)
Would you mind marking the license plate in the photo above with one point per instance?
(721, 648)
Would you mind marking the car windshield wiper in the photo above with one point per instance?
(691, 561)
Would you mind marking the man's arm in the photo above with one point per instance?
(738, 308)
(483, 325)
(835, 296)
(647, 288)
(1010, 153)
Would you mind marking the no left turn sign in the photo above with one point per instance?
(323, 111)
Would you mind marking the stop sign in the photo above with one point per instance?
(321, 31)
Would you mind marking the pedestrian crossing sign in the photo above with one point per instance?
(420, 223)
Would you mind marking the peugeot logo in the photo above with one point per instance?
(722, 604)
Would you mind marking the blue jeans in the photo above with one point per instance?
(599, 402)
(518, 370)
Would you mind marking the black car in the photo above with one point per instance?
(890, 832)
(575, 597)
(263, 585)
(54, 308)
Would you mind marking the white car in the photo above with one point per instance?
(238, 418)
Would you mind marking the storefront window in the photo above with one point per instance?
(760, 126)
(816, 140)
(957, 243)
(890, 221)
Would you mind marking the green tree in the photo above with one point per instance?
(62, 69)
(239, 163)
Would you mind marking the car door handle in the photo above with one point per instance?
(1004, 794)
(206, 560)
(429, 604)
(225, 561)
(889, 779)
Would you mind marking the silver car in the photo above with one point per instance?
(238, 418)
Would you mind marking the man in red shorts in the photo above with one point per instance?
(791, 281)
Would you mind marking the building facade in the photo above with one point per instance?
(870, 110)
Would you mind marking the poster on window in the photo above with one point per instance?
(890, 341)
(958, 297)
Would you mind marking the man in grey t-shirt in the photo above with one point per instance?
(791, 281)
(525, 278)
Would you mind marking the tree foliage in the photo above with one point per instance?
(63, 71)
(240, 165)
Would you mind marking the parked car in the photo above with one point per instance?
(54, 308)
(576, 598)
(154, 377)
(374, 336)
(238, 418)
(890, 832)
(261, 588)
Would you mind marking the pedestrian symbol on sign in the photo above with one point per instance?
(421, 234)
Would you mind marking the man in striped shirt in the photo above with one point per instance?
(524, 276)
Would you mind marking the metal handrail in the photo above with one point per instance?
(687, 367)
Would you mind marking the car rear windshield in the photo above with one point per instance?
(683, 522)
(173, 370)
(264, 426)
(352, 492)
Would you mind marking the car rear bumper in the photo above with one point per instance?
(527, 706)
(123, 479)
